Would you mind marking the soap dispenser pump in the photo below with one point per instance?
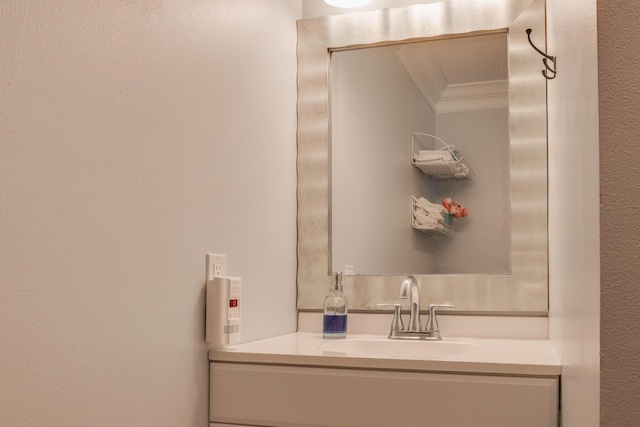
(334, 323)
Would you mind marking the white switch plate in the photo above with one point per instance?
(216, 265)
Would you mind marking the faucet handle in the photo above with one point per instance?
(396, 324)
(432, 323)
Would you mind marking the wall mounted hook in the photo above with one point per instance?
(550, 72)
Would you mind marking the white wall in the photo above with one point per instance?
(375, 105)
(574, 258)
(135, 137)
(481, 243)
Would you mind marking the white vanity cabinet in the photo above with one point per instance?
(270, 395)
(299, 380)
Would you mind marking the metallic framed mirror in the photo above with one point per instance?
(522, 289)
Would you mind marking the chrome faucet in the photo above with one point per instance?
(410, 289)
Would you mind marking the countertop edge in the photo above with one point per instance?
(252, 353)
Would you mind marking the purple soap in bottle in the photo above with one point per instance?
(334, 322)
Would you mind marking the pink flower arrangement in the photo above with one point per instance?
(454, 208)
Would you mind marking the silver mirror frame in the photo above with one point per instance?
(524, 291)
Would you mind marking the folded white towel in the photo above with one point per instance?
(433, 156)
(424, 221)
(427, 214)
(434, 208)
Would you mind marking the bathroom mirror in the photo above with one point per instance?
(522, 287)
(389, 102)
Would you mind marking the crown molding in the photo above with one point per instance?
(489, 95)
(423, 68)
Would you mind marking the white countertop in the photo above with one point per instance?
(530, 357)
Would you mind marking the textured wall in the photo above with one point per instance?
(619, 67)
(134, 137)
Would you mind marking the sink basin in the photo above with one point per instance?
(406, 349)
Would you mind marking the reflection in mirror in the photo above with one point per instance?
(452, 88)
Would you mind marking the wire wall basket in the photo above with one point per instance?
(437, 159)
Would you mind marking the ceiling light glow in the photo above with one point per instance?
(347, 3)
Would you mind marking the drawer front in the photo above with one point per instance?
(281, 396)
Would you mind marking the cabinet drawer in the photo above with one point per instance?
(281, 396)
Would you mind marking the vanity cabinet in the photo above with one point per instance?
(271, 395)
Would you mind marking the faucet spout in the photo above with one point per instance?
(411, 290)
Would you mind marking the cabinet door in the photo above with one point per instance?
(298, 396)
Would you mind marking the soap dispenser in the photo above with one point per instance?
(334, 323)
